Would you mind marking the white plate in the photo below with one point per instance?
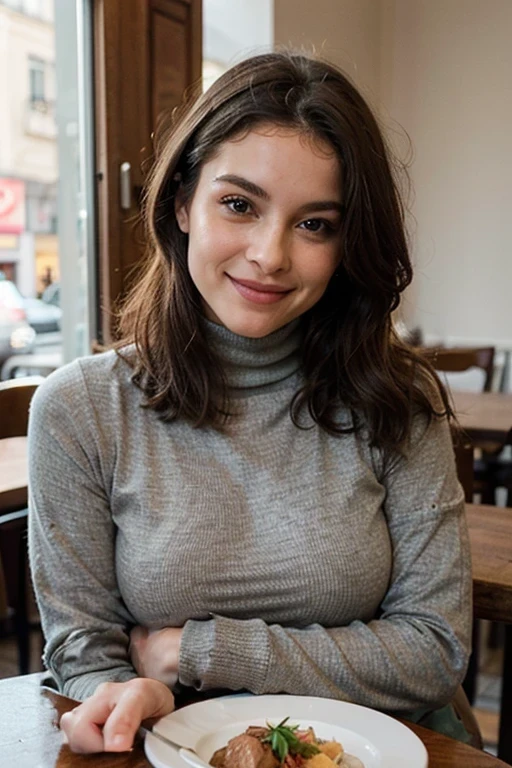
(377, 740)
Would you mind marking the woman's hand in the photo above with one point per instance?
(156, 653)
(110, 718)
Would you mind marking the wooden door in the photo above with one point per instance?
(146, 53)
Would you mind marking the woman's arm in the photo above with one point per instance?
(414, 654)
(72, 553)
(72, 539)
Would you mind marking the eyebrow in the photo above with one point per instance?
(257, 191)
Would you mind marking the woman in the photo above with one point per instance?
(259, 483)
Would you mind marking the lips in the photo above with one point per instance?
(259, 293)
(262, 287)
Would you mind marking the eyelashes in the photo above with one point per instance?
(234, 203)
(315, 226)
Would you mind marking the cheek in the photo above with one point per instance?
(211, 242)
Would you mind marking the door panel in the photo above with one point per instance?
(147, 52)
(169, 64)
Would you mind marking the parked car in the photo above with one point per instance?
(51, 294)
(43, 317)
(17, 337)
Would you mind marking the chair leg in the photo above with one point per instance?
(23, 643)
(469, 684)
(496, 635)
(505, 733)
(489, 493)
(21, 621)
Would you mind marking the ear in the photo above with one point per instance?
(181, 212)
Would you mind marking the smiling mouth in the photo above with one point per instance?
(259, 293)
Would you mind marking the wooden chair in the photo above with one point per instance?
(464, 460)
(15, 397)
(459, 359)
(14, 582)
(463, 448)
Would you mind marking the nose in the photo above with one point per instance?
(270, 249)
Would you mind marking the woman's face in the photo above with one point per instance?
(264, 229)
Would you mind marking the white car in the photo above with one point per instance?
(17, 337)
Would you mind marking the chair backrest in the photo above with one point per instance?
(464, 461)
(458, 359)
(15, 397)
(4, 607)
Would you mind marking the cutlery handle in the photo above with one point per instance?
(192, 759)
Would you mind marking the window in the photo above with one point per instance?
(38, 9)
(33, 8)
(14, 4)
(36, 79)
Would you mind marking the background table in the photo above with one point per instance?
(484, 415)
(13, 473)
(29, 736)
(490, 531)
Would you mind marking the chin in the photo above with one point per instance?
(254, 329)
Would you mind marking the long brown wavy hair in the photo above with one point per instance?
(351, 354)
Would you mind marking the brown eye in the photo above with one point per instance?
(313, 225)
(317, 226)
(236, 204)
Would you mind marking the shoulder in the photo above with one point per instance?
(84, 382)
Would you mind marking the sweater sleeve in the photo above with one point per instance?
(413, 654)
(72, 540)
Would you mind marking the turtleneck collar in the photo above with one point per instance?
(252, 364)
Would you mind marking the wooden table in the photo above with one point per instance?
(485, 416)
(13, 473)
(29, 736)
(490, 531)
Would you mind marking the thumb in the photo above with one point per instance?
(138, 699)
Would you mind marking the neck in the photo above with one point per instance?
(254, 364)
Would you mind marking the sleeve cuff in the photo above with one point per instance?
(83, 686)
(224, 653)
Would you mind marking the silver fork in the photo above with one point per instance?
(187, 753)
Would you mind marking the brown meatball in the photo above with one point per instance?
(259, 731)
(243, 752)
(218, 757)
(269, 760)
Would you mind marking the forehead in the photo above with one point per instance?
(271, 154)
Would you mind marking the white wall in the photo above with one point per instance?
(233, 29)
(346, 32)
(441, 72)
(448, 82)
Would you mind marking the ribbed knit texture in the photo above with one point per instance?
(293, 564)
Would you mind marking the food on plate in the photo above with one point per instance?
(282, 745)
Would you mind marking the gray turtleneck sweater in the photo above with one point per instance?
(293, 561)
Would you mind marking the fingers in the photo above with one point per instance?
(109, 720)
(122, 725)
(83, 726)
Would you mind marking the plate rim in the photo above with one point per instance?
(177, 718)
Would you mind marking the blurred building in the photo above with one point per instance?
(28, 145)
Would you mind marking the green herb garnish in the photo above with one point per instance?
(283, 740)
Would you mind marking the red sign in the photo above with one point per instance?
(12, 206)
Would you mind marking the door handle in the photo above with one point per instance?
(125, 186)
